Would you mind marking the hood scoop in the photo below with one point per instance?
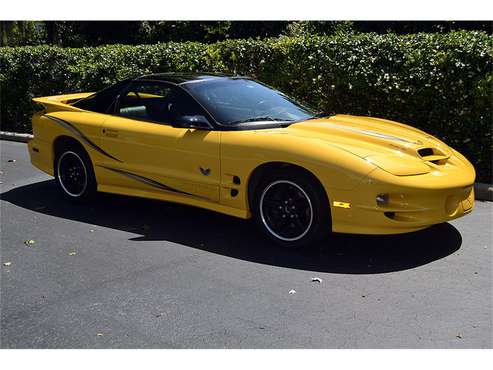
(410, 165)
(433, 155)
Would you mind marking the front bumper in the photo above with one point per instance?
(408, 209)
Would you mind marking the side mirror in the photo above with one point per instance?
(198, 121)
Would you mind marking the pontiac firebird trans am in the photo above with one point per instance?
(236, 146)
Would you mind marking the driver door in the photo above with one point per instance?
(153, 151)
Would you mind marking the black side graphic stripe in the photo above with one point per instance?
(150, 182)
(80, 134)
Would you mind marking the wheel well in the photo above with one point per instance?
(64, 142)
(265, 168)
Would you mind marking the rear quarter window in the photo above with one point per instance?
(102, 100)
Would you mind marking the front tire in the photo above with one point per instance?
(74, 174)
(291, 208)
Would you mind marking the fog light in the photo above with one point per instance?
(382, 200)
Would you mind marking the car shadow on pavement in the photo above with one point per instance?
(236, 238)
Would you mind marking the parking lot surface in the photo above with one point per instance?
(132, 273)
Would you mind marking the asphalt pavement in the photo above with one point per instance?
(125, 272)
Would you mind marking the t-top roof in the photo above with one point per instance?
(183, 77)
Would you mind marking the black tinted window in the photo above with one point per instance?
(102, 100)
(158, 102)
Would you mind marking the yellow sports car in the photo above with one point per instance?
(236, 146)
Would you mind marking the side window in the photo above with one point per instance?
(160, 103)
(147, 101)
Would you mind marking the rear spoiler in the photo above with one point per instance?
(61, 102)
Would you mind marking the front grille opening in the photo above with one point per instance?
(390, 215)
(401, 216)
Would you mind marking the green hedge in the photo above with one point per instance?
(441, 83)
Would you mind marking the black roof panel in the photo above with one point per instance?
(181, 77)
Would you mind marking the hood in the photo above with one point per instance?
(396, 148)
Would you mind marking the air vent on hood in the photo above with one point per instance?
(432, 155)
(425, 152)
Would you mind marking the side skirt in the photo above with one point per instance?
(176, 198)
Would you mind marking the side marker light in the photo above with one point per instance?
(341, 204)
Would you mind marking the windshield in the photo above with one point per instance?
(235, 101)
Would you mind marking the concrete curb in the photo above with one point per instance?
(481, 191)
(14, 136)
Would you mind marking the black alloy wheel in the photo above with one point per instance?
(291, 208)
(286, 210)
(74, 174)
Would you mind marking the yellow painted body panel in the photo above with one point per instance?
(354, 158)
(172, 156)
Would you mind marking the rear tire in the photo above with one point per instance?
(74, 174)
(291, 208)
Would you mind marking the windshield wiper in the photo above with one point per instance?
(258, 119)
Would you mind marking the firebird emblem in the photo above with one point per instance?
(205, 171)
